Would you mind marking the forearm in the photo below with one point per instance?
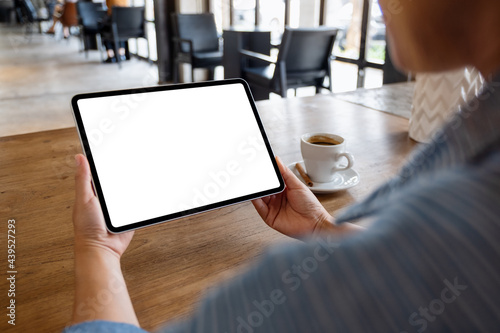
(100, 289)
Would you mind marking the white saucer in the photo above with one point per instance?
(342, 181)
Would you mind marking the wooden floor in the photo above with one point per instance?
(39, 75)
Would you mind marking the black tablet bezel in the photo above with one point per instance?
(160, 219)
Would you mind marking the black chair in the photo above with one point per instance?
(6, 8)
(303, 60)
(26, 14)
(196, 42)
(90, 14)
(126, 23)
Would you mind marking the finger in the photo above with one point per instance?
(83, 185)
(267, 199)
(261, 208)
(262, 204)
(289, 177)
(281, 166)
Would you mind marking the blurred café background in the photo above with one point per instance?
(51, 50)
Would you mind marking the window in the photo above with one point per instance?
(358, 42)
(244, 14)
(359, 48)
(221, 11)
(139, 46)
(375, 39)
(272, 17)
(304, 13)
(345, 15)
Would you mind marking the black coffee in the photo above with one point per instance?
(322, 143)
(322, 140)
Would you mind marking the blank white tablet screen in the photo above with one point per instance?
(163, 152)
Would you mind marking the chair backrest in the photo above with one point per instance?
(305, 50)
(90, 13)
(129, 21)
(199, 28)
(28, 10)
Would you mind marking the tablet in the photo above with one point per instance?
(165, 152)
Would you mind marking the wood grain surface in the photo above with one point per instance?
(169, 266)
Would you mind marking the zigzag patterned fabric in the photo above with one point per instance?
(437, 96)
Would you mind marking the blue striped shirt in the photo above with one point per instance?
(429, 262)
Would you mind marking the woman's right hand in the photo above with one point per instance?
(294, 212)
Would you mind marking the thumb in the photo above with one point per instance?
(83, 185)
(291, 181)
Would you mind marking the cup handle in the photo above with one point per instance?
(350, 161)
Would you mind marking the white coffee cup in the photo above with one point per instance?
(322, 154)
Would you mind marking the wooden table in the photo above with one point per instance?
(167, 266)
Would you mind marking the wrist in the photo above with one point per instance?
(98, 277)
(95, 251)
(325, 224)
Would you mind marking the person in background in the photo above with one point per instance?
(65, 13)
(50, 5)
(106, 26)
(429, 261)
(56, 15)
(41, 9)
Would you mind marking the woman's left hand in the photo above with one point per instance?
(90, 228)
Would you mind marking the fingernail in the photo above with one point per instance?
(77, 160)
